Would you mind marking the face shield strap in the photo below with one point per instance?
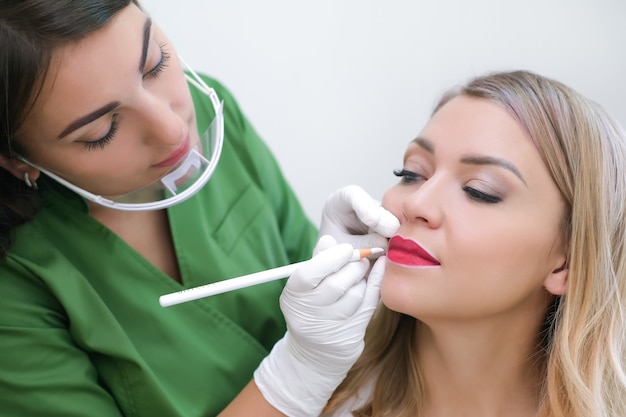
(184, 180)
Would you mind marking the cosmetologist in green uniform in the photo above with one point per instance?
(81, 328)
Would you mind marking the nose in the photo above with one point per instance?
(424, 203)
(164, 127)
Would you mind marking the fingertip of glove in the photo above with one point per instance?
(381, 262)
(388, 224)
(323, 243)
(328, 260)
(378, 270)
(327, 239)
(341, 250)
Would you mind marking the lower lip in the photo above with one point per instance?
(406, 258)
(176, 155)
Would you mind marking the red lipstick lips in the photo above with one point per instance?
(408, 252)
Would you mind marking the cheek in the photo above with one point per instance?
(502, 261)
(173, 83)
(178, 90)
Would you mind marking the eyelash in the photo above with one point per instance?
(481, 197)
(409, 177)
(103, 141)
(163, 63)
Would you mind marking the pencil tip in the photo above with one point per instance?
(364, 253)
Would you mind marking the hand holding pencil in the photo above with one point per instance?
(327, 304)
(255, 278)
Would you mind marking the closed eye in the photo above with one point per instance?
(480, 196)
(161, 65)
(103, 141)
(408, 177)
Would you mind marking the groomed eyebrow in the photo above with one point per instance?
(95, 115)
(429, 147)
(425, 144)
(490, 160)
(144, 47)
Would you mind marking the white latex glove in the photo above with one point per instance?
(327, 304)
(350, 215)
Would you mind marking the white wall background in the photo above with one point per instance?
(337, 88)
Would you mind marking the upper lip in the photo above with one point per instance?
(176, 153)
(400, 243)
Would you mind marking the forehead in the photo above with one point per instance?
(471, 123)
(87, 74)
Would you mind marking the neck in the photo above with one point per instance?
(486, 368)
(147, 232)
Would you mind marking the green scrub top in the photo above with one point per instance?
(81, 329)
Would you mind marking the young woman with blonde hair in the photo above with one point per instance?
(505, 288)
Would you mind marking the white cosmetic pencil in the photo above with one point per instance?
(243, 281)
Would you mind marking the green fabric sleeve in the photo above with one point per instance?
(43, 372)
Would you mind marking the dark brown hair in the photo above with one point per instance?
(31, 31)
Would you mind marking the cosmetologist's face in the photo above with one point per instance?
(115, 112)
(480, 220)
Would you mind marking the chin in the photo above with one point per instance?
(395, 294)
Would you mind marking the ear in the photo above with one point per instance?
(18, 168)
(556, 282)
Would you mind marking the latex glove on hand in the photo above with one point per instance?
(350, 215)
(327, 304)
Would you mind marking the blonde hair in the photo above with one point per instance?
(584, 349)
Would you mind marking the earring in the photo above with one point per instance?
(29, 183)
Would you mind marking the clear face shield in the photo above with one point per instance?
(183, 179)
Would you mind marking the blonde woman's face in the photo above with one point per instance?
(115, 111)
(480, 218)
